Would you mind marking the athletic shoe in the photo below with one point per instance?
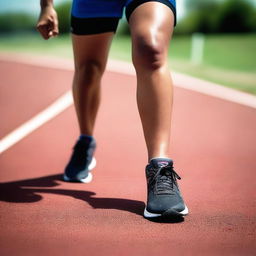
(164, 197)
(82, 161)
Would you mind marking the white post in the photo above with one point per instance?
(197, 48)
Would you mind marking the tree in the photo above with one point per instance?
(235, 16)
(63, 11)
(215, 16)
(14, 22)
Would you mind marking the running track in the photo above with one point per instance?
(213, 144)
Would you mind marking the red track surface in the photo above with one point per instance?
(213, 144)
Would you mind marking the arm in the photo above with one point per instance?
(47, 23)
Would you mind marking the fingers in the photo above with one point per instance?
(43, 30)
(55, 29)
(48, 28)
(52, 34)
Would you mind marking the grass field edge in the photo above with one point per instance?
(180, 80)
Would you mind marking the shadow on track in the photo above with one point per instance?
(27, 191)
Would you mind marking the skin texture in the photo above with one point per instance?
(48, 20)
(90, 57)
(151, 26)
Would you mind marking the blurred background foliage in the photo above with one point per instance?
(229, 16)
(12, 22)
(228, 28)
(63, 11)
(204, 16)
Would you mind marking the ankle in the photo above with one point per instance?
(84, 136)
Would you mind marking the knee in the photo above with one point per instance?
(89, 71)
(149, 51)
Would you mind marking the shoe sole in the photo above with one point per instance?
(87, 179)
(168, 213)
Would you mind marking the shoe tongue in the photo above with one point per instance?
(160, 162)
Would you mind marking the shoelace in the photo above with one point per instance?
(164, 179)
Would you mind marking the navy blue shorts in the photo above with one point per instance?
(100, 16)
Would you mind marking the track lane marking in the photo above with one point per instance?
(38, 120)
(180, 80)
(122, 67)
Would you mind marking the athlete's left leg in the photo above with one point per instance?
(151, 26)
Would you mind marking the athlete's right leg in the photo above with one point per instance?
(93, 24)
(90, 57)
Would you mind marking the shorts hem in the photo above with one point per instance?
(90, 26)
(134, 4)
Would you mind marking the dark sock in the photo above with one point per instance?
(84, 136)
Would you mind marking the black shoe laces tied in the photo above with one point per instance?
(164, 179)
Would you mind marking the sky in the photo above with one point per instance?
(30, 6)
(33, 6)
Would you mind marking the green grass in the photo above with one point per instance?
(34, 44)
(228, 59)
(233, 52)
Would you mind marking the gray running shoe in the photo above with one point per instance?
(164, 197)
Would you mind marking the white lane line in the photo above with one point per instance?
(180, 80)
(44, 116)
(194, 84)
(215, 90)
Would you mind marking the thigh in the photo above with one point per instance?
(93, 25)
(91, 49)
(154, 20)
(131, 5)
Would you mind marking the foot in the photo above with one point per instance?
(82, 161)
(164, 197)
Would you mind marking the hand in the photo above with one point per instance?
(47, 24)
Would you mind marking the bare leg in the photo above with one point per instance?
(151, 27)
(90, 56)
